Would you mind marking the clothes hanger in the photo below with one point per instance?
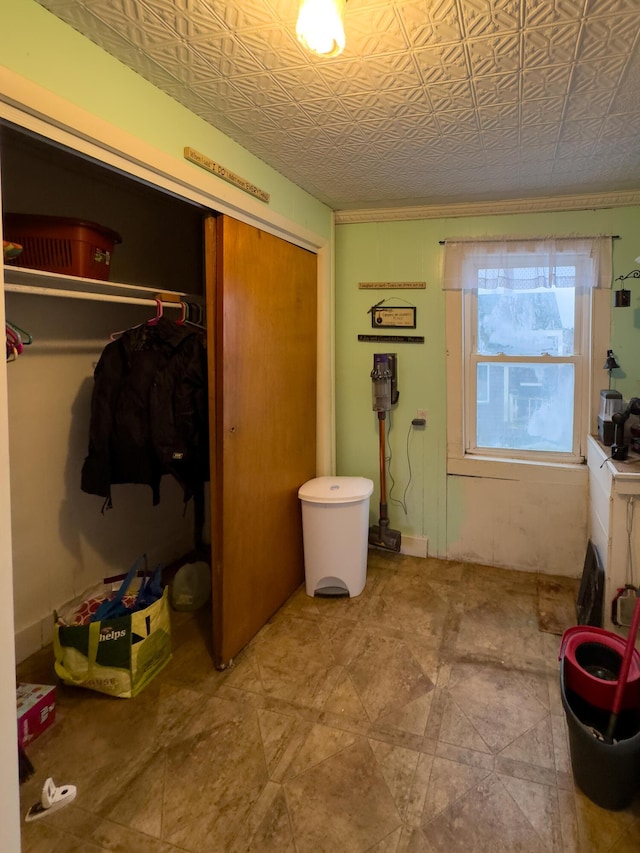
(14, 342)
(152, 321)
(159, 312)
(197, 320)
(25, 337)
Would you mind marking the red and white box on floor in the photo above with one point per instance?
(36, 710)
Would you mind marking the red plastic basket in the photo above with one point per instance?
(61, 245)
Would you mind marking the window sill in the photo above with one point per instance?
(494, 468)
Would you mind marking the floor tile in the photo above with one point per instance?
(422, 716)
(485, 818)
(342, 804)
(495, 702)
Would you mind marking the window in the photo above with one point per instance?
(522, 327)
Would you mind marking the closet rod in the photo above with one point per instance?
(83, 294)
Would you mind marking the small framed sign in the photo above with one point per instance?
(393, 318)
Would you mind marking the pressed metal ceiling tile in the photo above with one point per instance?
(490, 17)
(540, 134)
(414, 103)
(443, 63)
(545, 12)
(276, 46)
(411, 101)
(627, 96)
(583, 106)
(542, 111)
(372, 31)
(350, 76)
(494, 55)
(618, 161)
(288, 116)
(580, 128)
(238, 15)
(539, 153)
(499, 116)
(575, 149)
(429, 23)
(451, 96)
(224, 52)
(609, 7)
(555, 45)
(497, 89)
(184, 63)
(551, 82)
(594, 76)
(301, 84)
(604, 37)
(325, 111)
(370, 106)
(505, 138)
(392, 138)
(261, 89)
(457, 122)
(186, 19)
(136, 22)
(432, 100)
(621, 126)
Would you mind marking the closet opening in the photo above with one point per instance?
(62, 541)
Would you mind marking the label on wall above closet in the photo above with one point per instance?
(226, 174)
(392, 285)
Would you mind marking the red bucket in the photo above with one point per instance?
(592, 661)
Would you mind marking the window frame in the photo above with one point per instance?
(474, 357)
(593, 313)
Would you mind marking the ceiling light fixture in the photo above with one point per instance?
(320, 26)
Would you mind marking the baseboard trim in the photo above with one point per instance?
(30, 640)
(414, 546)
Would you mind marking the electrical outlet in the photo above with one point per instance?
(420, 419)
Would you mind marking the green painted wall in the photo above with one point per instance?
(43, 49)
(410, 251)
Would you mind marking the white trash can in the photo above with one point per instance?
(335, 529)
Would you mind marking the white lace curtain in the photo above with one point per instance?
(582, 262)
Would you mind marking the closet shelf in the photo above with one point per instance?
(39, 282)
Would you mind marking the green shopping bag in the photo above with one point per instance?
(117, 656)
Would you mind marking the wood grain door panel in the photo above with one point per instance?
(263, 299)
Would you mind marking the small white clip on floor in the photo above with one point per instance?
(51, 800)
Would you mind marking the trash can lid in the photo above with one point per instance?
(324, 490)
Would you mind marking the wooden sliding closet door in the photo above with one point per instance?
(261, 304)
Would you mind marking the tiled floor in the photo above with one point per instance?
(424, 715)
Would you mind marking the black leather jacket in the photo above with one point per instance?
(149, 411)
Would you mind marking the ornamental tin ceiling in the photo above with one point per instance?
(432, 102)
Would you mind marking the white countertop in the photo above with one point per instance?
(623, 471)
